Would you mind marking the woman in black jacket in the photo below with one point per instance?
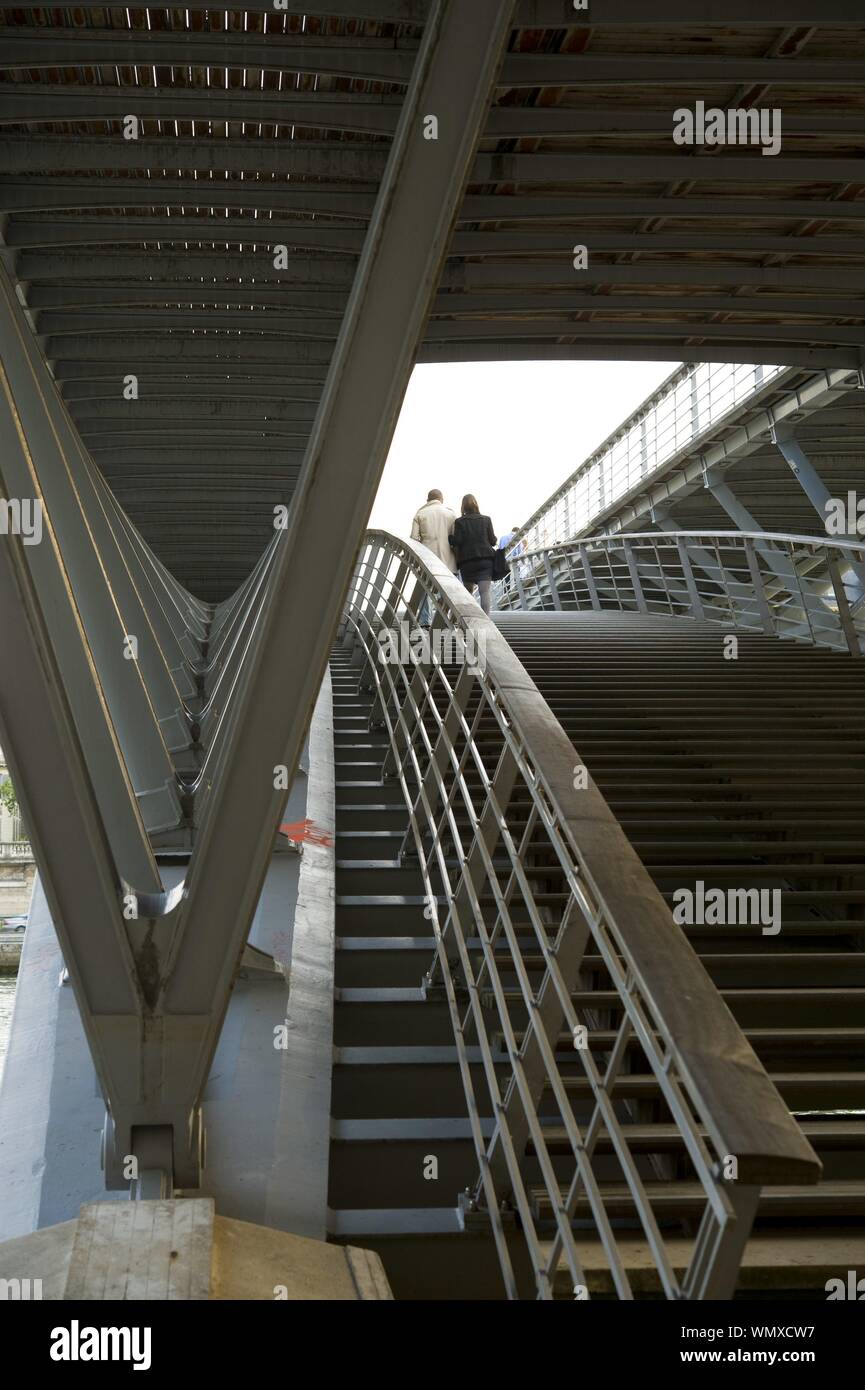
(473, 541)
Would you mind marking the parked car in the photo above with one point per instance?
(14, 923)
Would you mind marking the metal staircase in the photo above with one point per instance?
(594, 1170)
(397, 1097)
(745, 772)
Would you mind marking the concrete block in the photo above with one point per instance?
(181, 1250)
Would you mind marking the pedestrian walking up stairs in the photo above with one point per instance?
(543, 1085)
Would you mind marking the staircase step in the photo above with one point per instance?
(749, 1006)
(417, 1081)
(389, 960)
(397, 914)
(368, 793)
(833, 1041)
(378, 815)
(675, 1200)
(402, 1018)
(822, 1134)
(777, 1263)
(745, 774)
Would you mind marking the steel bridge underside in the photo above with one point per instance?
(228, 237)
(154, 256)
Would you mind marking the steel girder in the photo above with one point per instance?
(384, 323)
(223, 465)
(273, 412)
(145, 704)
(392, 62)
(507, 243)
(358, 114)
(803, 471)
(642, 348)
(365, 163)
(267, 233)
(500, 272)
(708, 462)
(153, 971)
(560, 13)
(190, 348)
(455, 302)
(42, 195)
(262, 329)
(301, 376)
(234, 352)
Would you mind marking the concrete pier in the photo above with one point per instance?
(265, 1165)
(180, 1250)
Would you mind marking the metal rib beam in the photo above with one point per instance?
(377, 61)
(226, 347)
(272, 412)
(365, 163)
(222, 464)
(261, 326)
(300, 325)
(183, 266)
(145, 707)
(361, 114)
(639, 350)
(454, 302)
(263, 232)
(105, 352)
(498, 273)
(45, 195)
(370, 59)
(210, 372)
(167, 384)
(560, 13)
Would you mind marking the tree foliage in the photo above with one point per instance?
(8, 797)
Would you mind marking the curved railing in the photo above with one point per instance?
(523, 866)
(802, 587)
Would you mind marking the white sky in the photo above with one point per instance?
(509, 432)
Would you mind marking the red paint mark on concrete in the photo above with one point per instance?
(307, 832)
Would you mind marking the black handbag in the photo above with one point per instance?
(501, 568)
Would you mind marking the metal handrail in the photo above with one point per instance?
(495, 803)
(806, 588)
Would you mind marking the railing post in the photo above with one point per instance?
(590, 578)
(429, 788)
(635, 579)
(362, 577)
(520, 589)
(714, 1268)
(546, 1017)
(690, 582)
(759, 588)
(551, 580)
(414, 692)
(389, 613)
(487, 835)
(845, 617)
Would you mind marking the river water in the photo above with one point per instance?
(7, 994)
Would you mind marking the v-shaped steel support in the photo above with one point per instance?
(211, 711)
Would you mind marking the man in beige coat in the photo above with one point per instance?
(432, 525)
